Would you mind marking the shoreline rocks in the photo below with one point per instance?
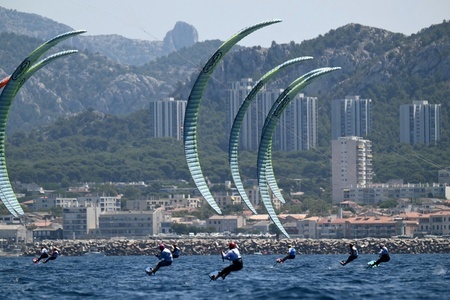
(211, 246)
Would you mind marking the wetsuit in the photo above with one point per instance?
(54, 255)
(290, 255)
(44, 254)
(234, 256)
(353, 255)
(384, 256)
(166, 259)
(176, 252)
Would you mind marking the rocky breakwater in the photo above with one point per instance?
(209, 246)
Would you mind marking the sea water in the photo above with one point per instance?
(424, 276)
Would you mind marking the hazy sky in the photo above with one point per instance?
(150, 20)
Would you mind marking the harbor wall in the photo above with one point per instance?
(210, 246)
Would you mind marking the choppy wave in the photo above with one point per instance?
(406, 276)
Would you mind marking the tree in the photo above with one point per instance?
(273, 229)
(132, 193)
(317, 207)
(388, 203)
(107, 189)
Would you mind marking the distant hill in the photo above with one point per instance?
(32, 25)
(117, 48)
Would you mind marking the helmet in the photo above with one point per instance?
(381, 245)
(289, 245)
(175, 245)
(232, 245)
(351, 244)
(161, 247)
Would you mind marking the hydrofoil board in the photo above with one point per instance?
(213, 275)
(149, 270)
(370, 263)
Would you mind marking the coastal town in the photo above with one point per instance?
(100, 222)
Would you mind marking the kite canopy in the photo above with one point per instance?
(193, 106)
(13, 83)
(270, 123)
(236, 127)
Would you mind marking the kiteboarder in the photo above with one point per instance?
(353, 252)
(54, 254)
(384, 255)
(176, 251)
(44, 254)
(290, 255)
(232, 255)
(165, 259)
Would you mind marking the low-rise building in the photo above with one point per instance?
(13, 233)
(439, 223)
(227, 199)
(172, 202)
(131, 224)
(104, 203)
(376, 227)
(9, 220)
(307, 228)
(226, 223)
(28, 187)
(331, 228)
(46, 203)
(79, 221)
(352, 228)
(261, 227)
(47, 233)
(376, 193)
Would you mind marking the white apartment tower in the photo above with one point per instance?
(419, 123)
(236, 95)
(351, 160)
(300, 124)
(351, 116)
(167, 118)
(296, 129)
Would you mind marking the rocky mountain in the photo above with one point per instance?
(139, 52)
(181, 36)
(32, 25)
(117, 48)
(389, 68)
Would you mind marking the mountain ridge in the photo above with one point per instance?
(116, 47)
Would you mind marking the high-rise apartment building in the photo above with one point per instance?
(167, 118)
(296, 129)
(299, 124)
(351, 116)
(419, 123)
(351, 159)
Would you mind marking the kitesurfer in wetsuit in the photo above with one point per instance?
(353, 252)
(165, 258)
(53, 255)
(232, 255)
(44, 254)
(176, 251)
(384, 255)
(290, 255)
